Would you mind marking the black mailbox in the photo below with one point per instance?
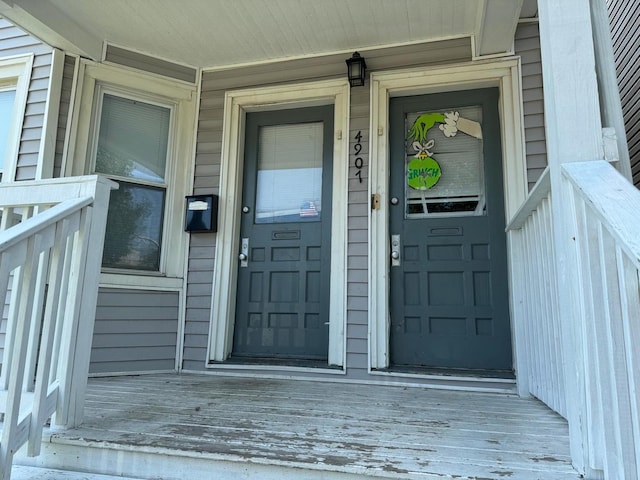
(201, 213)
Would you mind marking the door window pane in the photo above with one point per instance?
(457, 186)
(133, 139)
(289, 181)
(7, 99)
(134, 227)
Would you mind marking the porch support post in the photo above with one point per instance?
(574, 133)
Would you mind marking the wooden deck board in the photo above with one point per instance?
(386, 431)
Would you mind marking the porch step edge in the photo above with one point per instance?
(108, 461)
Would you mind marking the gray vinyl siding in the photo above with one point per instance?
(63, 114)
(527, 46)
(135, 331)
(357, 249)
(14, 41)
(207, 179)
(625, 34)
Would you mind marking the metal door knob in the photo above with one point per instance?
(245, 209)
(394, 201)
(242, 257)
(395, 255)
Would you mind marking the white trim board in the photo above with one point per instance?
(505, 74)
(236, 104)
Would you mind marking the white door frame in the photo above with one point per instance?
(504, 74)
(237, 103)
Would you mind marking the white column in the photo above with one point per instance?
(574, 133)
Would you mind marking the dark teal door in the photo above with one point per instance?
(282, 309)
(448, 291)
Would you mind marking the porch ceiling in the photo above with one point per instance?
(218, 33)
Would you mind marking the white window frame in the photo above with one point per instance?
(505, 74)
(237, 103)
(97, 79)
(15, 74)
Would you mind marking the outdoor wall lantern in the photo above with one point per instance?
(355, 70)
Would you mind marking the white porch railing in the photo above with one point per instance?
(50, 253)
(604, 213)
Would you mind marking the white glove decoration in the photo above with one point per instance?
(450, 127)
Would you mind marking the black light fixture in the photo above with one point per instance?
(356, 67)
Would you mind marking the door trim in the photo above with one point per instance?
(237, 103)
(504, 74)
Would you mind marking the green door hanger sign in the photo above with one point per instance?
(423, 171)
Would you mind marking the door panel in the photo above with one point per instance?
(282, 302)
(448, 292)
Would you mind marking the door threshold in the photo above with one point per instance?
(451, 372)
(277, 362)
(449, 379)
(281, 362)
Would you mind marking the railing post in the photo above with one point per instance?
(83, 286)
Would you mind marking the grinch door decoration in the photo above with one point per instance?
(444, 170)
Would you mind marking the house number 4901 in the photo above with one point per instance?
(359, 162)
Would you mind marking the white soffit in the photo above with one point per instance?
(217, 33)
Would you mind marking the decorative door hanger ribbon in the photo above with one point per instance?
(423, 172)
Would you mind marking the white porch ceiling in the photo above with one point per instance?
(218, 33)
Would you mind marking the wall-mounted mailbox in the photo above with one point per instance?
(201, 213)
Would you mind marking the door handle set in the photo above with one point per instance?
(395, 250)
(244, 253)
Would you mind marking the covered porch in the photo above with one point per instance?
(201, 426)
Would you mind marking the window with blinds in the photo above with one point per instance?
(132, 149)
(289, 183)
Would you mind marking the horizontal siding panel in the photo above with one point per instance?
(197, 329)
(356, 345)
(160, 312)
(26, 172)
(134, 340)
(128, 367)
(124, 326)
(33, 133)
(135, 331)
(196, 341)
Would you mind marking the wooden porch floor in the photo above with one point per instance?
(330, 430)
